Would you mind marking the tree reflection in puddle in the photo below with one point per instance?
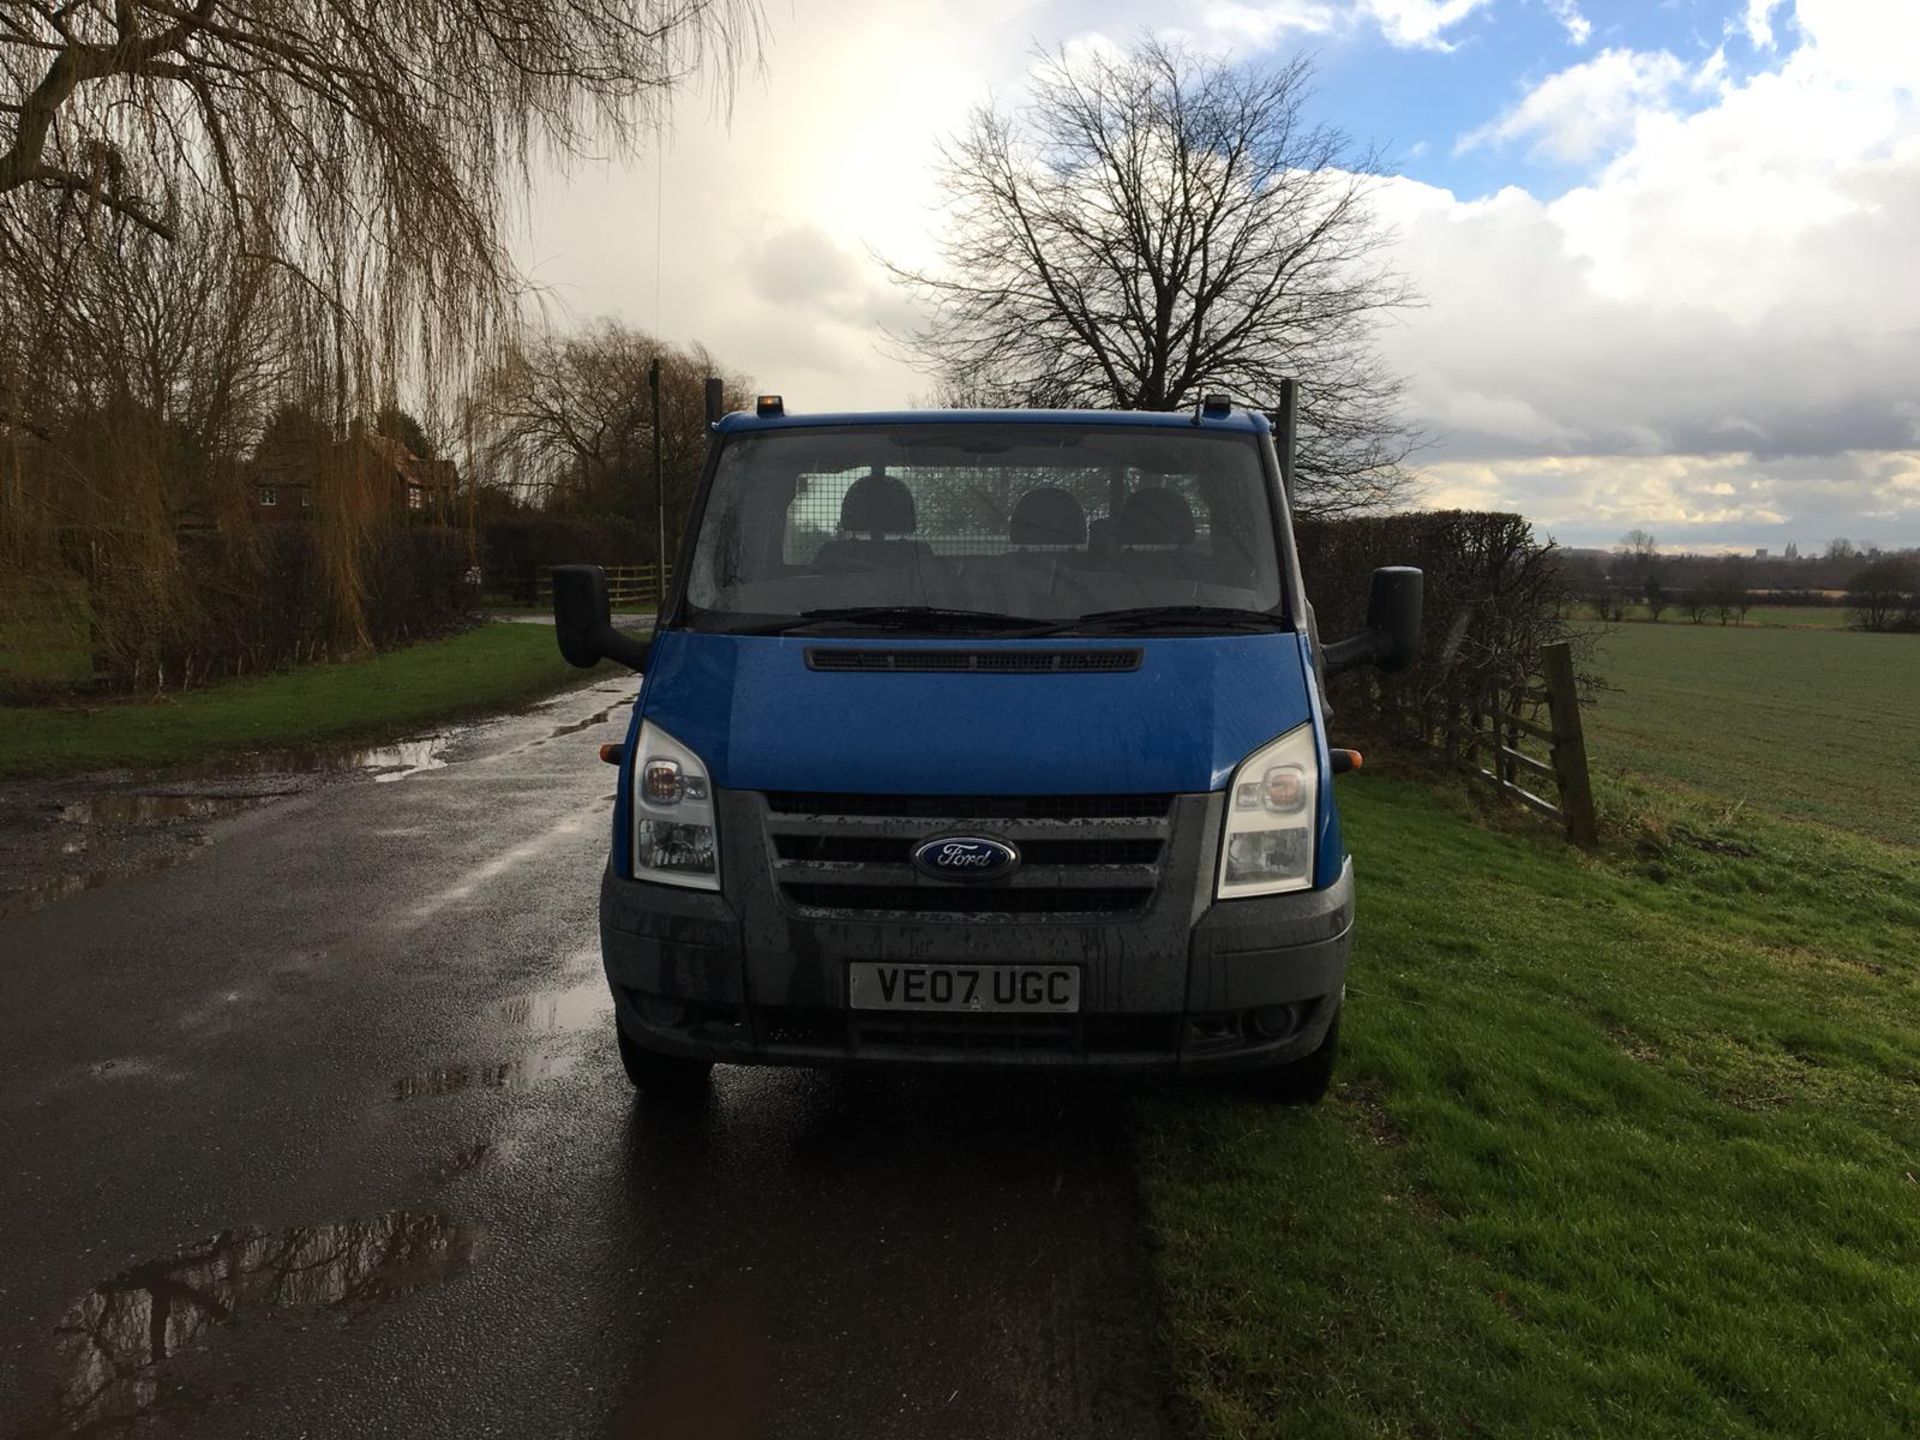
(508, 1075)
(113, 1347)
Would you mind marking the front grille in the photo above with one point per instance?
(890, 850)
(972, 807)
(978, 662)
(1084, 855)
(935, 898)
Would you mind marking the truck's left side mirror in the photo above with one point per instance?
(1392, 637)
(583, 620)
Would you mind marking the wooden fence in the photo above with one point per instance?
(1497, 750)
(627, 586)
(1496, 740)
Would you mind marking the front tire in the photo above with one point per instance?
(1305, 1081)
(652, 1072)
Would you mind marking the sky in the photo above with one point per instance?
(1668, 248)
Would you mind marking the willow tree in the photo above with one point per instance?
(342, 172)
(1153, 225)
(371, 147)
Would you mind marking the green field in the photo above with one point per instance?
(1622, 1146)
(1814, 724)
(375, 698)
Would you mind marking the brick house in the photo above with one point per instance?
(283, 489)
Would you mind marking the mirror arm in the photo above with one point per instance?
(1366, 648)
(627, 650)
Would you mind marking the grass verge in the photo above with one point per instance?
(1623, 1146)
(437, 680)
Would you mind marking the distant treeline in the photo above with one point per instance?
(1879, 589)
(1811, 579)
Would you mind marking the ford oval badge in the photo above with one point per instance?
(965, 857)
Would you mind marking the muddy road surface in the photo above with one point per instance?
(317, 1128)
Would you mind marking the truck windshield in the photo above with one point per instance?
(985, 527)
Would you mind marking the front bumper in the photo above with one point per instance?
(1190, 984)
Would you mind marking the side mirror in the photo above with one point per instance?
(583, 621)
(1392, 637)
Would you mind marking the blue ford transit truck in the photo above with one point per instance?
(991, 737)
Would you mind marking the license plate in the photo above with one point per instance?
(988, 989)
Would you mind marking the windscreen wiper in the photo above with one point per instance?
(1185, 617)
(916, 617)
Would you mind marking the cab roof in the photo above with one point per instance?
(1250, 422)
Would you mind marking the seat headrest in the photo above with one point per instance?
(878, 505)
(1155, 516)
(1048, 516)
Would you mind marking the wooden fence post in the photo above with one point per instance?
(1569, 744)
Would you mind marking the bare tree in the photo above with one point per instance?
(1153, 226)
(1877, 596)
(1726, 592)
(365, 145)
(1640, 549)
(1656, 597)
(567, 419)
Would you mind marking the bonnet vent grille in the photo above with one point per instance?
(986, 662)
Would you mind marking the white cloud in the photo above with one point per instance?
(1411, 24)
(1260, 25)
(1421, 23)
(1733, 501)
(1588, 109)
(1758, 22)
(1567, 12)
(1716, 334)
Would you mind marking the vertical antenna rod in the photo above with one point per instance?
(1286, 433)
(659, 490)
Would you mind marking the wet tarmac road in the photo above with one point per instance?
(321, 1132)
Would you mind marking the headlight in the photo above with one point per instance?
(675, 840)
(1272, 806)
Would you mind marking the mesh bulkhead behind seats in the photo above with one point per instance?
(876, 510)
(1047, 518)
(1046, 532)
(1155, 531)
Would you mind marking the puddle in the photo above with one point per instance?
(464, 1160)
(598, 718)
(28, 896)
(396, 762)
(113, 1349)
(509, 1075)
(393, 761)
(22, 896)
(545, 1011)
(121, 808)
(131, 1067)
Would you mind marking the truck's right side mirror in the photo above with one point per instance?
(1392, 637)
(583, 620)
